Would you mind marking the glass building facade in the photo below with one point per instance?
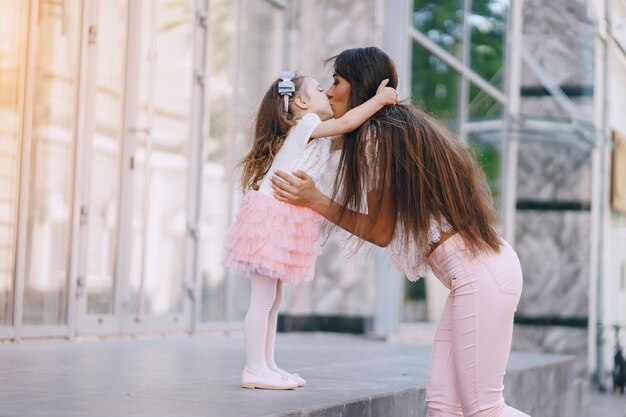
(120, 122)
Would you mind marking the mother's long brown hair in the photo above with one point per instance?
(411, 158)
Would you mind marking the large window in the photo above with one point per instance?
(471, 32)
(434, 83)
(12, 56)
(105, 159)
(161, 132)
(456, 44)
(104, 165)
(51, 162)
(241, 65)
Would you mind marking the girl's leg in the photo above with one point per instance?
(271, 328)
(271, 337)
(262, 295)
(256, 374)
(485, 299)
(442, 397)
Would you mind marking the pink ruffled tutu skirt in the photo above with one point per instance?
(274, 239)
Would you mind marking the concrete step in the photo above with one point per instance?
(200, 376)
(540, 385)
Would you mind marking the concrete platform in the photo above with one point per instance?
(199, 376)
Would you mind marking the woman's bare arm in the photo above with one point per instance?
(301, 191)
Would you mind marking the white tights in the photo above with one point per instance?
(260, 325)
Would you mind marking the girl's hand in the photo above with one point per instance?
(297, 189)
(386, 94)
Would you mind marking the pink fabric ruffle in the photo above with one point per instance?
(274, 239)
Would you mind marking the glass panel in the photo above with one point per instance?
(105, 164)
(51, 163)
(215, 181)
(434, 85)
(12, 57)
(487, 146)
(441, 22)
(486, 138)
(482, 105)
(228, 136)
(160, 178)
(488, 29)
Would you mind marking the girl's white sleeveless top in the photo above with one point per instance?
(298, 154)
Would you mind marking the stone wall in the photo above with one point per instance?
(560, 37)
(552, 238)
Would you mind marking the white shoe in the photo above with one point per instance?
(295, 377)
(301, 381)
(250, 379)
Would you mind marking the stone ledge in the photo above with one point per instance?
(200, 376)
(557, 395)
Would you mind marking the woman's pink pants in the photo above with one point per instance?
(473, 339)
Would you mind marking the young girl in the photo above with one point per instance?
(271, 242)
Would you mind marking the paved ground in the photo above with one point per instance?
(200, 376)
(197, 376)
(606, 405)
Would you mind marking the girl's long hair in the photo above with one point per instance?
(408, 156)
(271, 128)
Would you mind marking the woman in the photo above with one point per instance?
(405, 182)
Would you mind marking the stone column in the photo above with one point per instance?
(554, 183)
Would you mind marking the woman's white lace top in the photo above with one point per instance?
(412, 259)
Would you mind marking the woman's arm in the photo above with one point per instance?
(358, 115)
(300, 190)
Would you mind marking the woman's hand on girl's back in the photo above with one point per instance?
(297, 189)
